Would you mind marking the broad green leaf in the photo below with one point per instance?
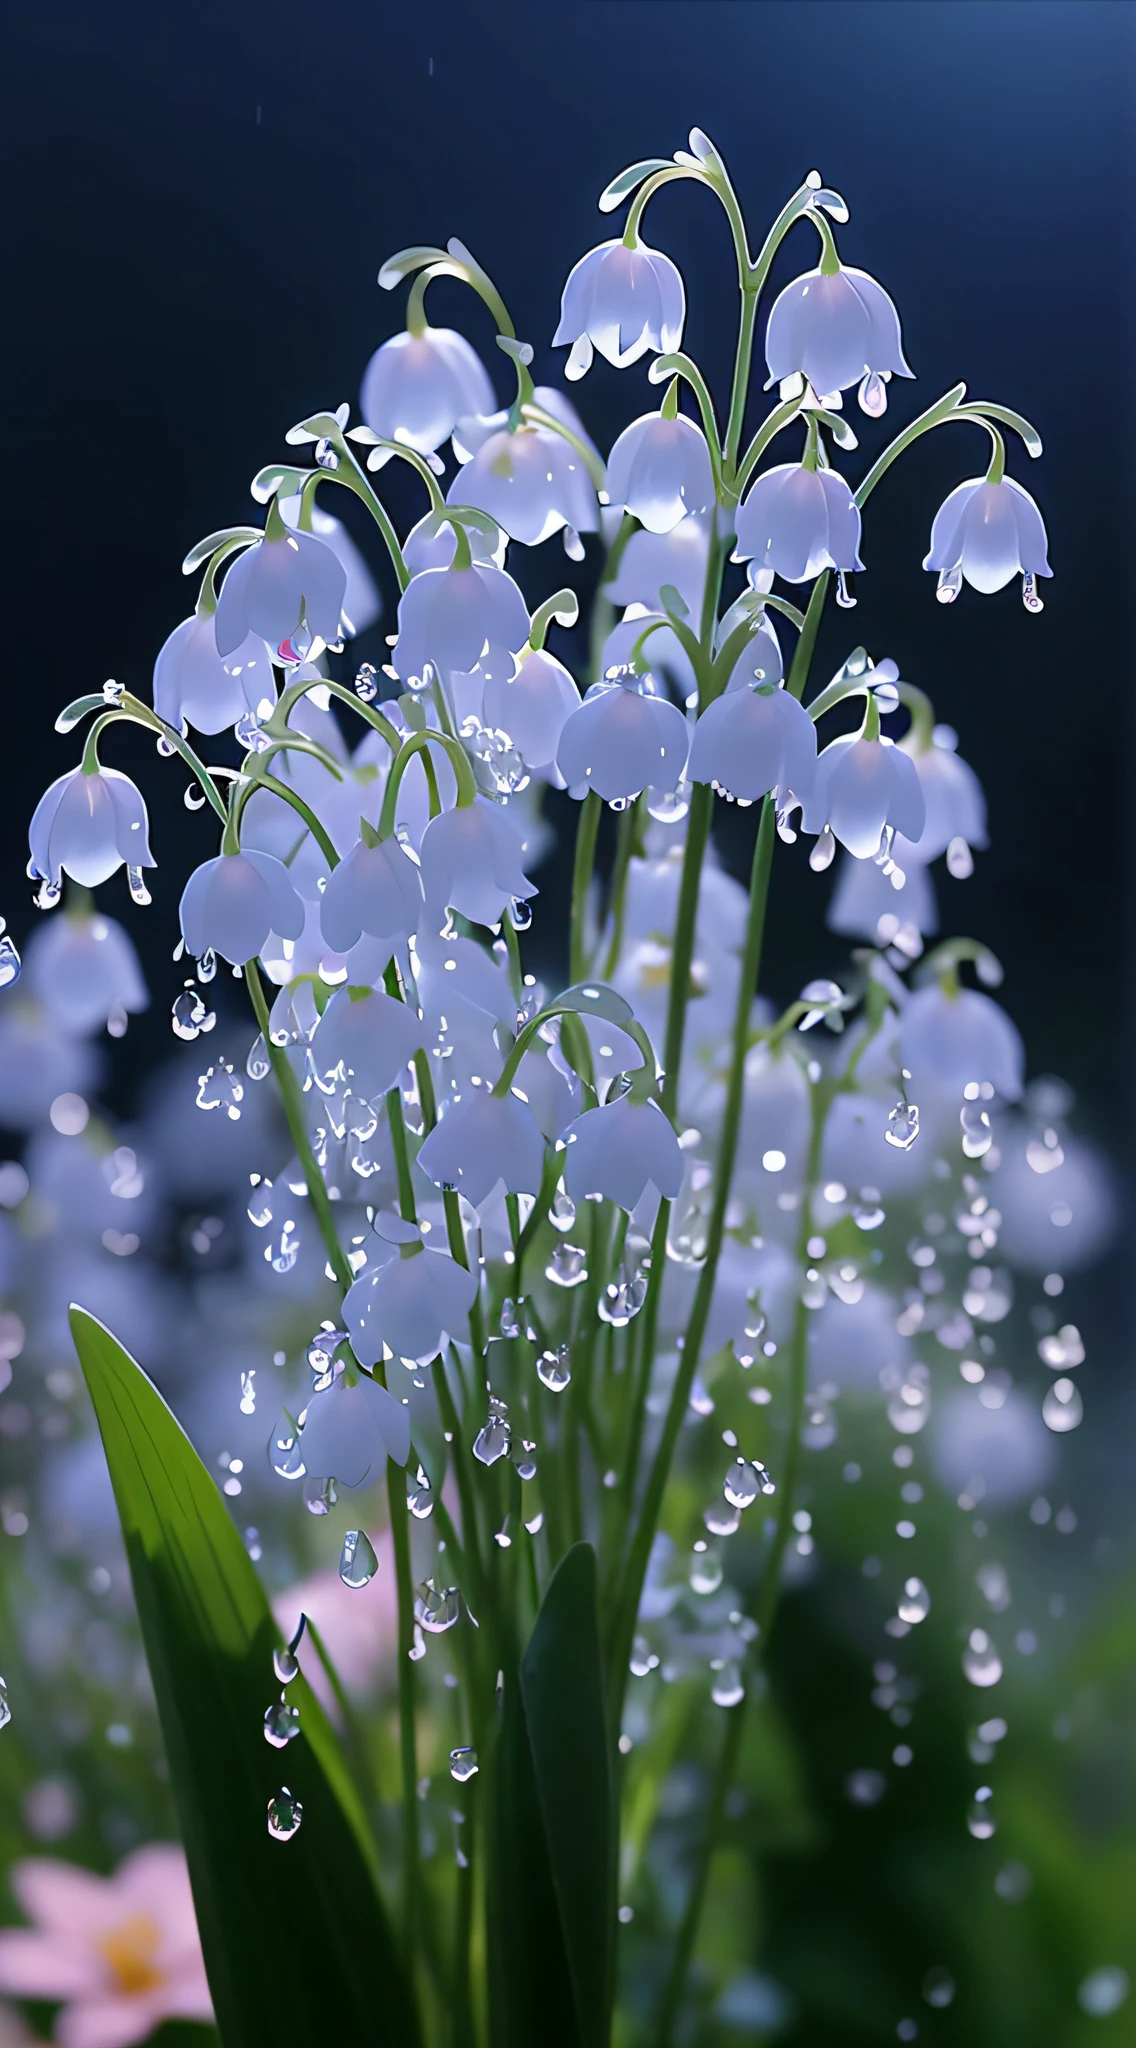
(531, 1996)
(297, 1943)
(565, 1714)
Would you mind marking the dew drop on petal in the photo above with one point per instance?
(137, 887)
(903, 1125)
(960, 860)
(824, 852)
(948, 585)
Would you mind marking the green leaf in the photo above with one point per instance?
(620, 188)
(596, 999)
(563, 1694)
(296, 1939)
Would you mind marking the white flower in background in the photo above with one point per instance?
(856, 1154)
(85, 972)
(619, 1151)
(623, 739)
(952, 794)
(749, 1286)
(471, 862)
(949, 1041)
(662, 655)
(1059, 1205)
(350, 1432)
(533, 706)
(483, 1142)
(623, 302)
(749, 742)
(649, 560)
(366, 1039)
(87, 826)
(230, 904)
(659, 469)
(853, 1340)
(432, 545)
(417, 386)
(866, 905)
(760, 660)
(275, 588)
(836, 331)
(987, 533)
(459, 619)
(773, 1142)
(410, 1301)
(362, 604)
(551, 1089)
(1007, 1449)
(375, 890)
(863, 786)
(193, 686)
(531, 481)
(798, 521)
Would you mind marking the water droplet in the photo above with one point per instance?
(960, 860)
(284, 1815)
(742, 1484)
(137, 887)
(562, 1214)
(1103, 1991)
(553, 1370)
(47, 895)
(207, 965)
(520, 914)
(622, 1298)
(948, 585)
(566, 1267)
(281, 1723)
(248, 1392)
(981, 1662)
(845, 590)
(284, 1454)
(250, 734)
(721, 1518)
(903, 1125)
(509, 1324)
(705, 1573)
(420, 1498)
(493, 1438)
(643, 1658)
(1062, 1408)
(727, 1689)
(873, 396)
(436, 1608)
(463, 1765)
(188, 1014)
(258, 1065)
(325, 455)
(366, 683)
(193, 798)
(321, 1352)
(1031, 596)
(824, 852)
(357, 1561)
(5, 1709)
(667, 806)
(915, 1602)
(165, 746)
(980, 1819)
(219, 1088)
(938, 1986)
(320, 1495)
(112, 691)
(282, 1249)
(977, 1131)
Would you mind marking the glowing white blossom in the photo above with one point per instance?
(533, 706)
(230, 904)
(531, 481)
(649, 560)
(365, 1038)
(659, 469)
(621, 740)
(376, 890)
(986, 533)
(85, 971)
(362, 604)
(751, 741)
(416, 386)
(350, 1431)
(863, 786)
(471, 862)
(948, 1041)
(193, 686)
(623, 302)
(952, 794)
(278, 586)
(482, 1142)
(798, 521)
(87, 826)
(619, 1151)
(411, 1301)
(457, 618)
(834, 331)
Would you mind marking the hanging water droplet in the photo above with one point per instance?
(320, 1495)
(193, 799)
(284, 1815)
(207, 965)
(5, 1708)
(948, 585)
(436, 1608)
(721, 1518)
(562, 1214)
(219, 1088)
(705, 1573)
(667, 806)
(977, 1130)
(1031, 596)
(357, 1561)
(981, 1662)
(366, 683)
(980, 1819)
(727, 1689)
(284, 1655)
(250, 734)
(493, 1438)
(137, 887)
(824, 852)
(463, 1765)
(873, 395)
(903, 1125)
(283, 1248)
(643, 1659)
(742, 1484)
(1062, 1408)
(520, 914)
(845, 590)
(622, 1298)
(281, 1723)
(509, 1324)
(112, 691)
(960, 860)
(188, 1013)
(419, 1497)
(248, 1392)
(258, 1065)
(165, 746)
(914, 1603)
(321, 1352)
(47, 895)
(325, 455)
(619, 803)
(553, 1370)
(284, 1454)
(10, 962)
(566, 1267)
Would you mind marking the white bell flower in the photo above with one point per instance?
(471, 862)
(459, 619)
(375, 889)
(749, 742)
(483, 1142)
(662, 653)
(659, 469)
(798, 521)
(362, 604)
(866, 904)
(856, 1154)
(835, 331)
(946, 1041)
(773, 1143)
(1058, 1219)
(679, 557)
(619, 1151)
(350, 1431)
(531, 481)
(410, 1301)
(987, 533)
(85, 972)
(623, 302)
(230, 904)
(417, 386)
(551, 1089)
(652, 895)
(533, 706)
(952, 793)
(278, 586)
(87, 826)
(367, 1039)
(193, 686)
(623, 739)
(747, 1284)
(862, 787)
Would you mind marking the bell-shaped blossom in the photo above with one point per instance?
(362, 604)
(533, 706)
(39, 1061)
(376, 890)
(278, 586)
(623, 739)
(833, 331)
(866, 904)
(952, 794)
(856, 1152)
(120, 1953)
(798, 521)
(861, 786)
(230, 904)
(87, 826)
(193, 686)
(662, 654)
(457, 619)
(1059, 1206)
(531, 481)
(948, 1041)
(649, 560)
(623, 302)
(748, 742)
(550, 1087)
(411, 1302)
(987, 533)
(484, 1142)
(471, 862)
(366, 1039)
(747, 1284)
(350, 1431)
(619, 1151)
(659, 469)
(85, 972)
(417, 386)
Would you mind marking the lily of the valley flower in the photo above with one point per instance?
(365, 1039)
(623, 739)
(984, 534)
(122, 1953)
(533, 706)
(835, 330)
(659, 469)
(230, 904)
(87, 825)
(417, 386)
(411, 1300)
(798, 521)
(471, 862)
(531, 481)
(749, 742)
(85, 972)
(193, 686)
(950, 1040)
(455, 619)
(362, 604)
(376, 890)
(679, 557)
(350, 1431)
(278, 586)
(620, 1150)
(952, 793)
(623, 302)
(862, 786)
(483, 1142)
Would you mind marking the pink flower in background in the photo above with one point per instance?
(121, 1952)
(358, 1629)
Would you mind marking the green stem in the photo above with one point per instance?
(291, 1095)
(697, 835)
(420, 743)
(587, 827)
(411, 1858)
(937, 415)
(626, 832)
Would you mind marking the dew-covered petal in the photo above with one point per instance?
(368, 1038)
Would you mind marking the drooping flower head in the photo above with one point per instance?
(375, 889)
(620, 1151)
(798, 521)
(623, 302)
(87, 825)
(624, 738)
(193, 686)
(659, 469)
(749, 742)
(86, 973)
(984, 534)
(365, 1039)
(350, 1431)
(230, 904)
(531, 480)
(483, 1142)
(279, 587)
(408, 1298)
(471, 862)
(836, 330)
(862, 787)
(417, 386)
(455, 619)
